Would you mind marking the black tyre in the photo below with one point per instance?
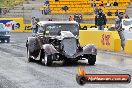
(2, 41)
(8, 40)
(41, 56)
(30, 59)
(91, 59)
(81, 80)
(48, 60)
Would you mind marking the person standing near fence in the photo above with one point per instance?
(34, 25)
(0, 11)
(100, 20)
(118, 26)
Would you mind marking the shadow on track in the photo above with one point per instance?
(63, 63)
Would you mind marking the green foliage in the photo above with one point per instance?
(9, 3)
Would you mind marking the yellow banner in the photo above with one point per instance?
(86, 26)
(18, 25)
(104, 40)
(13, 24)
(27, 28)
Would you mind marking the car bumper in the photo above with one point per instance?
(5, 37)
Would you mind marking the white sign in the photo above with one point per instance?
(126, 24)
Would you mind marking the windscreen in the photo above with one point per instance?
(55, 29)
(1, 26)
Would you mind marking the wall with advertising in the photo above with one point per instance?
(104, 40)
(18, 25)
(27, 28)
(13, 24)
(86, 26)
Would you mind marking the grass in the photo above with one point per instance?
(9, 3)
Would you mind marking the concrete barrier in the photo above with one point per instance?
(104, 40)
(16, 24)
(128, 46)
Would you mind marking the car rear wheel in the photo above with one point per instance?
(30, 59)
(91, 59)
(41, 55)
(48, 60)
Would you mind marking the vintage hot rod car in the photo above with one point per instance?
(56, 41)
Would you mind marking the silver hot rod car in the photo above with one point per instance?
(56, 41)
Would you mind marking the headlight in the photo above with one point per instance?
(6, 33)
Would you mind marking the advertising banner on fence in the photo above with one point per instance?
(18, 25)
(87, 26)
(13, 24)
(104, 40)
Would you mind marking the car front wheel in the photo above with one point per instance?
(48, 60)
(2, 41)
(8, 40)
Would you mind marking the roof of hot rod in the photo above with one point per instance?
(42, 23)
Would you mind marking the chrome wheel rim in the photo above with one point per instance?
(45, 59)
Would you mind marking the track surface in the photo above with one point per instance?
(16, 72)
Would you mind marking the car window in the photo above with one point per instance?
(40, 29)
(1, 26)
(55, 29)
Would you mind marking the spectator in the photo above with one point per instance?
(96, 11)
(100, 20)
(34, 24)
(116, 13)
(115, 3)
(4, 11)
(109, 13)
(71, 18)
(65, 8)
(46, 10)
(0, 11)
(46, 2)
(118, 27)
(101, 3)
(93, 4)
(78, 18)
(108, 4)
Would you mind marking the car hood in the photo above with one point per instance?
(67, 34)
(64, 35)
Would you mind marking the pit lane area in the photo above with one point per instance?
(16, 72)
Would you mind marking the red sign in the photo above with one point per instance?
(82, 78)
(105, 39)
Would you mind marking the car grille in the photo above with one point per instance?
(70, 46)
